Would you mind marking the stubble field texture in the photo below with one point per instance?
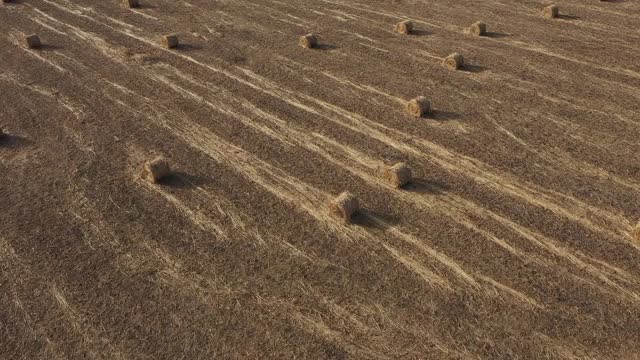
(513, 241)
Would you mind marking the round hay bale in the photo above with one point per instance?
(635, 233)
(478, 28)
(551, 12)
(33, 41)
(404, 27)
(308, 41)
(419, 106)
(156, 169)
(344, 206)
(132, 3)
(397, 175)
(454, 61)
(170, 41)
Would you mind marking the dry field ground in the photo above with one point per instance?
(513, 240)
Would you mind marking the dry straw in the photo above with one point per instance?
(454, 61)
(308, 41)
(635, 233)
(551, 12)
(397, 175)
(478, 28)
(170, 41)
(131, 3)
(344, 206)
(404, 27)
(419, 106)
(155, 169)
(33, 41)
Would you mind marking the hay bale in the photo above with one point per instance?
(454, 61)
(478, 28)
(551, 12)
(33, 41)
(155, 169)
(170, 41)
(308, 41)
(404, 27)
(397, 175)
(635, 234)
(132, 3)
(344, 206)
(419, 106)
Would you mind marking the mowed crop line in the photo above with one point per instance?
(603, 141)
(605, 277)
(279, 184)
(604, 104)
(237, 79)
(524, 46)
(362, 166)
(15, 39)
(447, 159)
(311, 143)
(288, 189)
(197, 217)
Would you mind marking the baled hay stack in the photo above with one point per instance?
(156, 169)
(478, 28)
(33, 42)
(170, 41)
(404, 27)
(551, 11)
(308, 41)
(419, 106)
(397, 175)
(454, 61)
(132, 3)
(344, 206)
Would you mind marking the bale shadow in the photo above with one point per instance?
(325, 47)
(145, 6)
(188, 47)
(470, 68)
(14, 141)
(443, 115)
(50, 47)
(181, 180)
(423, 186)
(373, 220)
(420, 33)
(568, 17)
(496, 35)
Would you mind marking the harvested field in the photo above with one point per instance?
(513, 240)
